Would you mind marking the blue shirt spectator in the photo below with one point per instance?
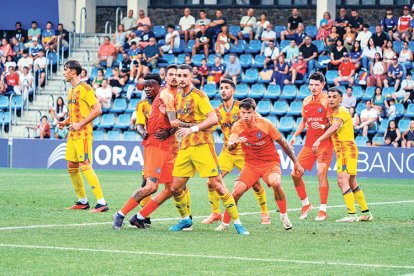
(35, 48)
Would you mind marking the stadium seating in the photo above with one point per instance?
(330, 76)
(197, 59)
(132, 105)
(272, 119)
(264, 107)
(278, 30)
(410, 111)
(359, 107)
(129, 136)
(322, 62)
(251, 75)
(180, 49)
(159, 31)
(273, 92)
(295, 109)
(311, 30)
(108, 73)
(284, 44)
(234, 30)
(180, 59)
(257, 91)
(400, 109)
(357, 92)
(246, 60)
(4, 103)
(168, 59)
(319, 45)
(189, 47)
(215, 103)
(210, 90)
(280, 108)
(383, 126)
(404, 124)
(254, 47)
(96, 122)
(107, 121)
(397, 46)
(242, 90)
(303, 92)
(258, 61)
(378, 140)
(286, 124)
(119, 105)
(387, 91)
(361, 141)
(98, 135)
(289, 92)
(369, 93)
(123, 121)
(210, 60)
(239, 48)
(113, 135)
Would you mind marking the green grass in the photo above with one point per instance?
(39, 197)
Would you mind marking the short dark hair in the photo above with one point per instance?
(49, 22)
(318, 76)
(74, 64)
(336, 89)
(408, 73)
(349, 87)
(171, 26)
(228, 81)
(203, 11)
(185, 67)
(18, 22)
(133, 43)
(171, 66)
(152, 76)
(44, 116)
(34, 22)
(247, 103)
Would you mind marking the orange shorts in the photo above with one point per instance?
(250, 174)
(307, 158)
(159, 164)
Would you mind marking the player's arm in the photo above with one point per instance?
(328, 133)
(289, 152)
(172, 117)
(235, 139)
(299, 130)
(140, 128)
(95, 112)
(210, 121)
(64, 123)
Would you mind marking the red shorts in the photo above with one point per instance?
(250, 174)
(307, 158)
(158, 163)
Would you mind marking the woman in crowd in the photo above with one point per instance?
(377, 71)
(394, 133)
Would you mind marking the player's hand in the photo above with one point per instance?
(298, 169)
(75, 126)
(292, 142)
(61, 125)
(316, 125)
(144, 134)
(241, 140)
(315, 146)
(183, 132)
(162, 134)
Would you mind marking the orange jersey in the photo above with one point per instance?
(81, 99)
(226, 120)
(193, 107)
(315, 110)
(260, 147)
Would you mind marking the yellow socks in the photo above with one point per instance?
(360, 199)
(350, 201)
(187, 195)
(145, 201)
(230, 205)
(93, 181)
(214, 199)
(181, 204)
(261, 199)
(77, 182)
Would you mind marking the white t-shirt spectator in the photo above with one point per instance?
(248, 20)
(348, 102)
(25, 62)
(24, 80)
(271, 34)
(372, 113)
(176, 38)
(273, 54)
(186, 22)
(104, 93)
(364, 37)
(40, 62)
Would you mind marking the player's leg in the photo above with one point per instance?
(343, 182)
(79, 187)
(260, 195)
(145, 201)
(324, 157)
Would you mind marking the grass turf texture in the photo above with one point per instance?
(38, 197)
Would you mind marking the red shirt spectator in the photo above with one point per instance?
(345, 68)
(12, 79)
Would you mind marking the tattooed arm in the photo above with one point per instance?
(175, 122)
(289, 152)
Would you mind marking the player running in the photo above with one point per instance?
(228, 114)
(83, 109)
(195, 117)
(256, 136)
(342, 133)
(315, 119)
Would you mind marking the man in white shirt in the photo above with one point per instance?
(267, 35)
(203, 20)
(364, 36)
(348, 100)
(186, 23)
(40, 64)
(129, 21)
(25, 61)
(407, 85)
(369, 118)
(271, 53)
(247, 23)
(172, 40)
(26, 82)
(104, 95)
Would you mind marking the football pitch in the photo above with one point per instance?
(39, 236)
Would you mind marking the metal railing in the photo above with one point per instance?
(48, 101)
(13, 105)
(118, 19)
(83, 16)
(72, 44)
(97, 37)
(108, 26)
(86, 53)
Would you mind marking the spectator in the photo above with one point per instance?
(377, 71)
(393, 133)
(12, 82)
(379, 102)
(146, 36)
(389, 23)
(216, 24)
(223, 41)
(355, 117)
(310, 53)
(387, 142)
(267, 35)
(341, 21)
(119, 38)
(187, 22)
(19, 33)
(349, 37)
(280, 72)
(380, 37)
(292, 25)
(116, 82)
(388, 53)
(217, 70)
(162, 76)
(406, 89)
(395, 74)
(84, 76)
(129, 22)
(291, 51)
(6, 49)
(125, 68)
(262, 25)
(364, 36)
(271, 54)
(355, 54)
(204, 71)
(233, 69)
(133, 38)
(369, 118)
(247, 23)
(348, 100)
(106, 53)
(391, 110)
(26, 82)
(203, 41)
(325, 26)
(151, 53)
(172, 40)
(197, 78)
(297, 70)
(17, 47)
(299, 35)
(97, 82)
(143, 21)
(368, 54)
(346, 71)
(10, 63)
(337, 55)
(43, 128)
(188, 60)
(331, 41)
(58, 111)
(203, 20)
(33, 32)
(356, 21)
(134, 52)
(406, 57)
(63, 35)
(403, 29)
(35, 48)
(48, 37)
(408, 137)
(104, 95)
(40, 68)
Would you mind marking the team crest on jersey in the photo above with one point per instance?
(320, 110)
(158, 170)
(72, 101)
(259, 135)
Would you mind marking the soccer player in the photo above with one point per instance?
(341, 132)
(83, 109)
(195, 117)
(256, 136)
(228, 114)
(315, 119)
(159, 156)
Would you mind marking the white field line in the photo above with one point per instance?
(177, 218)
(162, 254)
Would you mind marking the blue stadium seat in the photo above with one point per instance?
(311, 30)
(180, 49)
(356, 92)
(378, 140)
(161, 42)
(226, 58)
(242, 90)
(319, 45)
(210, 90)
(108, 73)
(295, 109)
(388, 90)
(211, 60)
(369, 93)
(280, 108)
(215, 103)
(257, 91)
(410, 111)
(98, 135)
(264, 107)
(251, 75)
(321, 64)
(283, 44)
(119, 105)
(289, 92)
(129, 136)
(122, 122)
(189, 48)
(93, 74)
(273, 119)
(303, 92)
(331, 75)
(404, 125)
(400, 109)
(254, 47)
(113, 135)
(383, 126)
(239, 48)
(278, 30)
(5, 118)
(234, 30)
(258, 61)
(197, 59)
(411, 45)
(273, 92)
(286, 124)
(372, 29)
(397, 46)
(303, 80)
(17, 102)
(107, 121)
(96, 122)
(246, 60)
(169, 59)
(132, 105)
(4, 103)
(159, 31)
(359, 107)
(180, 59)
(361, 141)
(119, 57)
(155, 70)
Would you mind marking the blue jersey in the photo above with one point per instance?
(389, 23)
(34, 50)
(134, 53)
(47, 35)
(395, 71)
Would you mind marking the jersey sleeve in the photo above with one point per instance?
(169, 101)
(340, 117)
(140, 114)
(89, 95)
(204, 105)
(273, 132)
